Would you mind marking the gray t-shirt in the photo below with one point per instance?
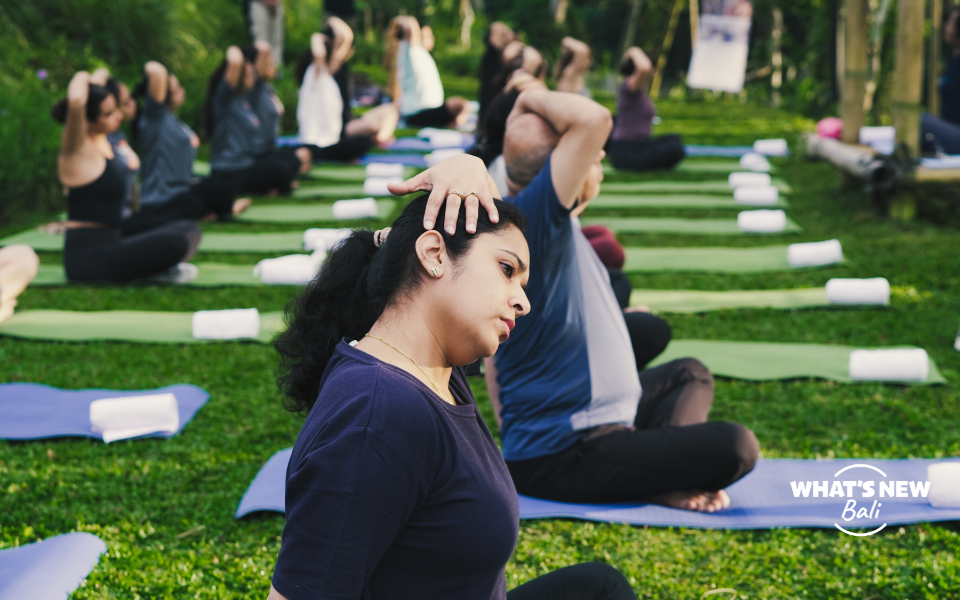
(166, 164)
(236, 133)
(261, 98)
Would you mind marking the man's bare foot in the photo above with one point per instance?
(305, 159)
(384, 144)
(707, 502)
(240, 205)
(6, 308)
(210, 217)
(638, 308)
(56, 227)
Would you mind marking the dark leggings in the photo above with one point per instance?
(431, 117)
(938, 134)
(660, 152)
(209, 195)
(270, 172)
(585, 581)
(670, 447)
(349, 148)
(91, 254)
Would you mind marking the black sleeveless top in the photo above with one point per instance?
(101, 200)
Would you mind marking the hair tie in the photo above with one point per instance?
(380, 236)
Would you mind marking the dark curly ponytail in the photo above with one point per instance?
(356, 284)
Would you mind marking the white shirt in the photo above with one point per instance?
(420, 86)
(320, 109)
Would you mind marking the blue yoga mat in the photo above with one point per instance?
(411, 160)
(696, 150)
(51, 569)
(30, 411)
(419, 145)
(761, 500)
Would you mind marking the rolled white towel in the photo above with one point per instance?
(293, 269)
(756, 195)
(355, 209)
(777, 147)
(944, 478)
(814, 254)
(390, 170)
(438, 156)
(956, 344)
(761, 221)
(881, 139)
(324, 239)
(442, 138)
(377, 186)
(133, 416)
(858, 291)
(232, 324)
(743, 178)
(755, 162)
(889, 365)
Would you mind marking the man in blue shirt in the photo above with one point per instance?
(579, 423)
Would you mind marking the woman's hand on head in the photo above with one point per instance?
(462, 174)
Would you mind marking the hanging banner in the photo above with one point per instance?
(719, 60)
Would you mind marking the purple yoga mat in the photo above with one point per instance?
(410, 160)
(49, 570)
(735, 151)
(761, 500)
(31, 411)
(419, 145)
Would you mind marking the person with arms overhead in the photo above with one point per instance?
(95, 248)
(394, 467)
(167, 189)
(414, 81)
(579, 423)
(323, 110)
(632, 146)
(240, 155)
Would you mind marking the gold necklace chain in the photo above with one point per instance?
(405, 355)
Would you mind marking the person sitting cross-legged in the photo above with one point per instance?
(579, 423)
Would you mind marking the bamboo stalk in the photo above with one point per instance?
(855, 69)
(694, 22)
(933, 68)
(667, 44)
(909, 74)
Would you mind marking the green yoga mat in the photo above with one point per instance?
(679, 226)
(678, 187)
(211, 275)
(693, 301)
(694, 165)
(287, 241)
(764, 361)
(707, 259)
(347, 173)
(119, 326)
(302, 213)
(201, 167)
(673, 201)
(337, 192)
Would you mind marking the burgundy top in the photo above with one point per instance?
(635, 112)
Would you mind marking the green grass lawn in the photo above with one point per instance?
(165, 508)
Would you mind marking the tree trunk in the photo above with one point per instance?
(876, 52)
(933, 66)
(776, 60)
(694, 22)
(630, 34)
(855, 70)
(909, 74)
(466, 12)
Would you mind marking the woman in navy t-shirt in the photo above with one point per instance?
(396, 488)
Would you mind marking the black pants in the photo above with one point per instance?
(431, 117)
(938, 134)
(209, 195)
(272, 171)
(670, 447)
(660, 152)
(91, 254)
(649, 334)
(349, 148)
(586, 581)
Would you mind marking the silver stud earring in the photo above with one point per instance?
(435, 271)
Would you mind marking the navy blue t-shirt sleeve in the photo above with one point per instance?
(152, 109)
(345, 504)
(547, 218)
